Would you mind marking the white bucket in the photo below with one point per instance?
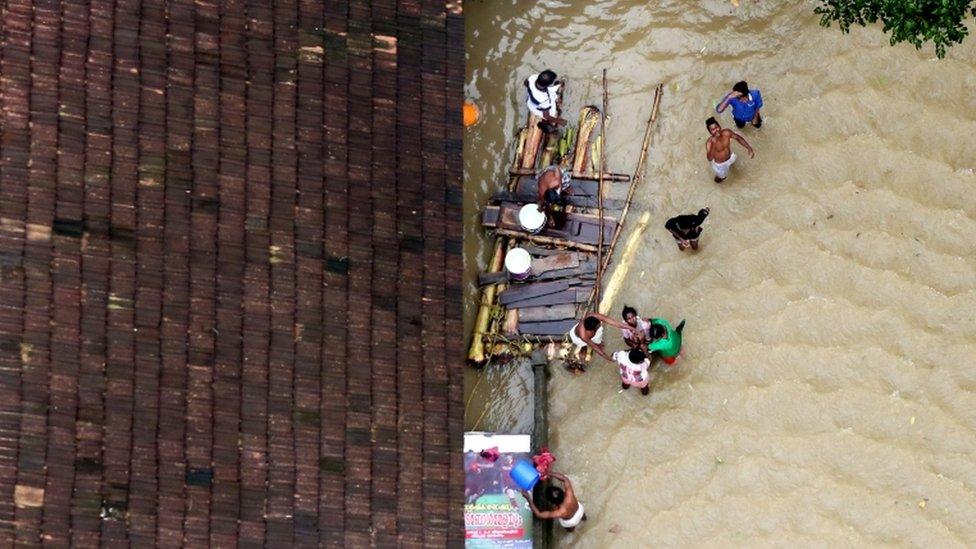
(518, 263)
(531, 219)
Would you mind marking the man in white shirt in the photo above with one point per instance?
(543, 99)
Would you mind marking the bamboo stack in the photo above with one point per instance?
(588, 120)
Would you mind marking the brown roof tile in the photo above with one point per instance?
(229, 252)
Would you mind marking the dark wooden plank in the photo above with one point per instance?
(545, 314)
(581, 228)
(566, 260)
(497, 277)
(551, 328)
(491, 216)
(529, 291)
(585, 268)
(576, 294)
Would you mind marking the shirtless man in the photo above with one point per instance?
(566, 508)
(554, 187)
(718, 149)
(589, 333)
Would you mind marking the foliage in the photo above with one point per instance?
(941, 22)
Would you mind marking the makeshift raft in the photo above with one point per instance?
(514, 316)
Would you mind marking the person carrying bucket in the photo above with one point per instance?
(565, 507)
(553, 190)
(665, 340)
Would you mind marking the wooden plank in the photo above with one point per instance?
(527, 291)
(576, 294)
(585, 268)
(540, 251)
(552, 328)
(543, 314)
(566, 260)
(580, 228)
(484, 279)
(490, 216)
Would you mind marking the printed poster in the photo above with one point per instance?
(495, 513)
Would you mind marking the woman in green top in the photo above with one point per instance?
(665, 340)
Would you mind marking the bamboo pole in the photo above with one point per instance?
(532, 141)
(476, 354)
(481, 331)
(609, 176)
(599, 192)
(635, 181)
(548, 240)
(589, 116)
(639, 173)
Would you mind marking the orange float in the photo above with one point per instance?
(471, 113)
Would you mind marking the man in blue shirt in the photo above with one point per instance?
(745, 105)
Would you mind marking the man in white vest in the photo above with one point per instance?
(543, 99)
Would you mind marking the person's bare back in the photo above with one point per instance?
(565, 507)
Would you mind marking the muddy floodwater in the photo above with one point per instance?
(827, 391)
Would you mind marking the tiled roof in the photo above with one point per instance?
(230, 273)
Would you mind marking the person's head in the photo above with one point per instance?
(591, 323)
(702, 214)
(552, 196)
(713, 126)
(555, 495)
(741, 87)
(658, 331)
(545, 79)
(636, 356)
(630, 315)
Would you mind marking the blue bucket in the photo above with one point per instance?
(524, 474)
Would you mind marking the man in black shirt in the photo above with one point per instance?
(687, 228)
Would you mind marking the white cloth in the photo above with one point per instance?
(722, 169)
(578, 341)
(540, 101)
(573, 521)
